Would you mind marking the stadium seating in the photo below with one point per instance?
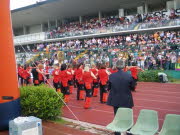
(171, 125)
(122, 121)
(147, 123)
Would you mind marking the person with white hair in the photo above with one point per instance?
(88, 77)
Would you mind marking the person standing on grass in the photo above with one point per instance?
(120, 86)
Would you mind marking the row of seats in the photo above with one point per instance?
(146, 124)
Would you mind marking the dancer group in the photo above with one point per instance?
(87, 80)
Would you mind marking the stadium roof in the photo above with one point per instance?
(52, 9)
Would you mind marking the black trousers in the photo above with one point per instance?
(95, 85)
(79, 87)
(88, 92)
(65, 90)
(57, 85)
(118, 133)
(26, 81)
(103, 89)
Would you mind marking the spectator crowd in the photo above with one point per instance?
(113, 23)
(158, 50)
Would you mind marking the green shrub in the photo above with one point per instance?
(41, 101)
(149, 76)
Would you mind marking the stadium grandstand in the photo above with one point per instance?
(121, 25)
(91, 62)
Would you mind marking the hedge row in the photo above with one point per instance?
(41, 101)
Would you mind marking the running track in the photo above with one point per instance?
(163, 98)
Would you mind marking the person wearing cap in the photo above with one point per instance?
(120, 86)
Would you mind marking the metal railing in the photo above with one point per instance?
(29, 38)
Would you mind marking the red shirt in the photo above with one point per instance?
(113, 71)
(134, 72)
(20, 71)
(40, 76)
(26, 73)
(70, 76)
(47, 69)
(103, 76)
(95, 72)
(87, 78)
(56, 74)
(64, 77)
(125, 69)
(78, 74)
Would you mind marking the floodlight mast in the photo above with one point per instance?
(9, 90)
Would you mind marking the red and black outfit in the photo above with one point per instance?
(95, 83)
(26, 76)
(103, 77)
(88, 80)
(134, 74)
(20, 72)
(40, 77)
(35, 76)
(70, 81)
(80, 84)
(47, 74)
(56, 80)
(64, 85)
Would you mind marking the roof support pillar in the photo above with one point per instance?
(24, 29)
(49, 26)
(146, 8)
(80, 19)
(99, 15)
(56, 23)
(41, 27)
(121, 12)
(140, 10)
(170, 5)
(176, 4)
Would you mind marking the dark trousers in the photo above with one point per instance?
(88, 92)
(65, 90)
(95, 85)
(118, 133)
(57, 85)
(103, 89)
(79, 87)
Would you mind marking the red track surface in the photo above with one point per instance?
(163, 98)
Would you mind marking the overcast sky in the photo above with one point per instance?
(22, 3)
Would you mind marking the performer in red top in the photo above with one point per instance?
(103, 77)
(38, 74)
(88, 77)
(70, 78)
(20, 72)
(47, 73)
(26, 75)
(134, 72)
(80, 83)
(94, 70)
(113, 70)
(64, 82)
(56, 79)
(41, 74)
